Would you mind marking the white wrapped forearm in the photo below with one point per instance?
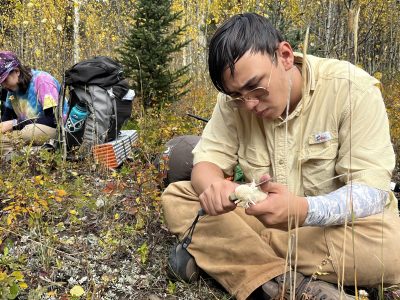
(334, 208)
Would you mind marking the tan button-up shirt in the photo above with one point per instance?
(338, 132)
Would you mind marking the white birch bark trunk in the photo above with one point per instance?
(185, 49)
(77, 5)
(328, 29)
(202, 30)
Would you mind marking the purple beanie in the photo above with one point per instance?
(8, 62)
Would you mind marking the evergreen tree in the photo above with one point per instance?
(147, 53)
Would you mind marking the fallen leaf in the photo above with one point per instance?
(131, 210)
(3, 276)
(61, 193)
(110, 188)
(18, 275)
(23, 285)
(77, 291)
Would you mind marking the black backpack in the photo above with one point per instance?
(98, 87)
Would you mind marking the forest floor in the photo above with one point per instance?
(75, 230)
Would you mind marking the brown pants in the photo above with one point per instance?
(242, 254)
(36, 134)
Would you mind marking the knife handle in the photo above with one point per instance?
(232, 197)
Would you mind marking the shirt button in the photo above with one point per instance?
(281, 161)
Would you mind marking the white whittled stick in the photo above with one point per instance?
(249, 194)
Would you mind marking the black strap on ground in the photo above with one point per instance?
(197, 117)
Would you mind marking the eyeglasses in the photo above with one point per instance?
(258, 94)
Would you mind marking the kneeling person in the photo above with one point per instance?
(30, 105)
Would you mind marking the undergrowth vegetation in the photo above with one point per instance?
(76, 230)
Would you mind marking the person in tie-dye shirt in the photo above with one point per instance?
(29, 110)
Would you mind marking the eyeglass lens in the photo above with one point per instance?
(256, 94)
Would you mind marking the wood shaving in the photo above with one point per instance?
(249, 194)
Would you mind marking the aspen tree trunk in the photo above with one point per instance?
(202, 17)
(21, 42)
(350, 36)
(328, 29)
(394, 44)
(77, 5)
(390, 63)
(21, 38)
(185, 49)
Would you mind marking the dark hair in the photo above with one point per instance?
(240, 33)
(25, 76)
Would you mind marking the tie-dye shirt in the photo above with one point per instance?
(42, 93)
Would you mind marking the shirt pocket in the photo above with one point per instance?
(318, 162)
(254, 161)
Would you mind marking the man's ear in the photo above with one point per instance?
(285, 55)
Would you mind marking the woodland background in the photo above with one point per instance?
(71, 230)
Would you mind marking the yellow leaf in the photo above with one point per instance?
(378, 75)
(51, 293)
(77, 291)
(116, 216)
(43, 203)
(23, 285)
(3, 276)
(321, 273)
(73, 212)
(10, 218)
(61, 193)
(18, 275)
(58, 199)
(8, 207)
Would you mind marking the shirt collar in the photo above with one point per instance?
(310, 74)
(310, 87)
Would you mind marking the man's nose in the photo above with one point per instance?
(251, 105)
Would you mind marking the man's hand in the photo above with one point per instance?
(6, 126)
(281, 208)
(215, 199)
(213, 189)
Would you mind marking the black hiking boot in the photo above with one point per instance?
(181, 265)
(280, 288)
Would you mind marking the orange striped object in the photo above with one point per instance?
(113, 154)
